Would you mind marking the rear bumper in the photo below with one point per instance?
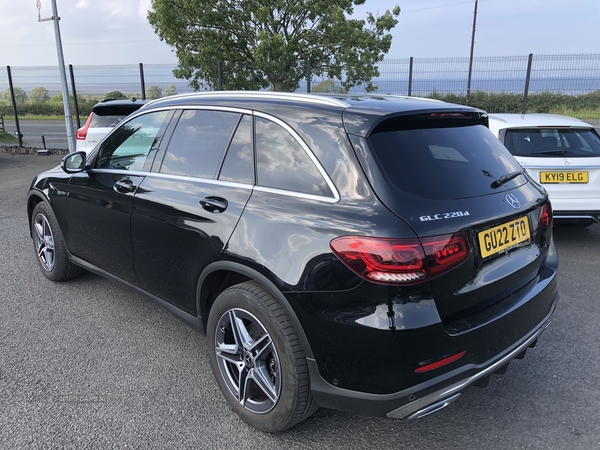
(574, 207)
(439, 399)
(425, 398)
(577, 215)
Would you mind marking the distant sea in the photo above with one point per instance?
(99, 80)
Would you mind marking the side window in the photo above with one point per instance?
(239, 162)
(199, 142)
(128, 146)
(282, 163)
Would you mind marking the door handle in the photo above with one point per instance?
(215, 205)
(123, 186)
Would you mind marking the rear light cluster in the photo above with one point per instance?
(546, 215)
(401, 261)
(81, 134)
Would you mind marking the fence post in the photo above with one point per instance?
(527, 78)
(308, 75)
(142, 81)
(471, 54)
(220, 70)
(14, 102)
(75, 103)
(410, 75)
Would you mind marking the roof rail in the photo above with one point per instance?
(307, 98)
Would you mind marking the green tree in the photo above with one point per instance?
(170, 90)
(153, 91)
(266, 43)
(115, 95)
(20, 96)
(38, 95)
(328, 87)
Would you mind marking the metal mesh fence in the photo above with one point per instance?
(568, 84)
(569, 74)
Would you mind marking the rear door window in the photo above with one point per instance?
(283, 163)
(238, 166)
(198, 144)
(446, 162)
(552, 142)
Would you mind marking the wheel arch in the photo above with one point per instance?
(220, 275)
(32, 201)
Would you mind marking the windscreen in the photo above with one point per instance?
(439, 160)
(552, 142)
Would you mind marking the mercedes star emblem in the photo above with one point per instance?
(513, 201)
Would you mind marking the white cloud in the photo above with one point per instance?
(118, 32)
(143, 8)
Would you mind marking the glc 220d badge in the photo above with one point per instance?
(448, 215)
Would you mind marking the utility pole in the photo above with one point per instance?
(63, 72)
(471, 57)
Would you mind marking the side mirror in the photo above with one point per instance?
(73, 162)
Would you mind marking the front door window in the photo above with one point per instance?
(127, 148)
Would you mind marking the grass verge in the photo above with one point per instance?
(8, 138)
(583, 114)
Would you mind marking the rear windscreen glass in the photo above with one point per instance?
(444, 163)
(106, 121)
(552, 142)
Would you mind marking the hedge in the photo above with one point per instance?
(492, 102)
(45, 109)
(541, 102)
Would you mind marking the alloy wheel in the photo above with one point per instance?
(44, 242)
(248, 360)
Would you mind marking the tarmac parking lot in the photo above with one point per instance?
(89, 364)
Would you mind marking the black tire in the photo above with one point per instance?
(49, 246)
(272, 366)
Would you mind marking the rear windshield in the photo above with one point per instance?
(552, 142)
(106, 115)
(106, 121)
(448, 162)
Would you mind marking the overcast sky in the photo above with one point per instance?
(117, 32)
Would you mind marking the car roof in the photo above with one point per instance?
(361, 112)
(534, 120)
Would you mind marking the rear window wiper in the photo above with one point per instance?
(550, 152)
(505, 179)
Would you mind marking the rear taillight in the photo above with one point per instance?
(445, 252)
(401, 261)
(81, 134)
(546, 215)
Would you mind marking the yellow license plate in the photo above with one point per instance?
(507, 235)
(563, 177)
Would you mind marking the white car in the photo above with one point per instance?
(560, 153)
(103, 118)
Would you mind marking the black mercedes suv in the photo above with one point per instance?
(372, 254)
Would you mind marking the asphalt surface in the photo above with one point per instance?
(89, 364)
(54, 132)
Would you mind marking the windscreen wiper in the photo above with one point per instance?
(550, 152)
(505, 179)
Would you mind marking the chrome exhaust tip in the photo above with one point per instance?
(435, 407)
